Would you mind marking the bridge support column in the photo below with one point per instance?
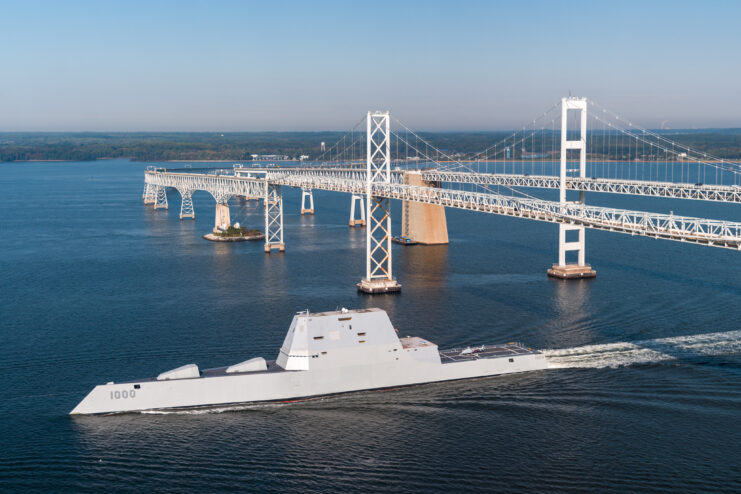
(361, 207)
(186, 204)
(273, 218)
(150, 193)
(378, 274)
(423, 223)
(580, 269)
(160, 201)
(222, 219)
(307, 193)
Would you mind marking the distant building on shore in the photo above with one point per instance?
(270, 157)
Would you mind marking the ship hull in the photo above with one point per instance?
(216, 388)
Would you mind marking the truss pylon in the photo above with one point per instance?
(160, 201)
(580, 269)
(378, 275)
(361, 207)
(307, 194)
(186, 204)
(273, 218)
(150, 193)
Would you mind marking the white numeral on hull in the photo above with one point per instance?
(118, 395)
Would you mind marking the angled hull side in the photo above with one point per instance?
(290, 385)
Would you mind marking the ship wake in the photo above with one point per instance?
(645, 352)
(215, 409)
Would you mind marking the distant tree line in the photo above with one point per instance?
(236, 146)
(158, 146)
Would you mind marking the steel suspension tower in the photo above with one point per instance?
(378, 275)
(273, 218)
(580, 269)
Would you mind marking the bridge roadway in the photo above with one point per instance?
(719, 193)
(708, 232)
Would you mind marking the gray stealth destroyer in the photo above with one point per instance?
(324, 353)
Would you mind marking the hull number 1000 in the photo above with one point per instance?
(122, 395)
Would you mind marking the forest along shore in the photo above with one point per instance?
(240, 146)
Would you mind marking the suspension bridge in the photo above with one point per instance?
(575, 147)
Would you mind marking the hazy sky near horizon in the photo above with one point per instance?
(300, 65)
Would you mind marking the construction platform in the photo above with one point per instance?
(378, 286)
(572, 271)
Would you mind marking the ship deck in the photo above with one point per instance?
(221, 371)
(446, 357)
(485, 351)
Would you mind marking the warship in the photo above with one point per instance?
(323, 354)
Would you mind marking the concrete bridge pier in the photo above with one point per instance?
(423, 223)
(222, 220)
(280, 247)
(307, 193)
(357, 221)
(571, 271)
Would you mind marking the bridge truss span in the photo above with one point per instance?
(714, 233)
(720, 193)
(221, 187)
(674, 190)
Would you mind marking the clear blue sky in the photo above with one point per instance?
(273, 65)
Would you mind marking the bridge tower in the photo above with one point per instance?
(150, 193)
(160, 201)
(273, 218)
(361, 207)
(307, 194)
(186, 204)
(580, 269)
(378, 275)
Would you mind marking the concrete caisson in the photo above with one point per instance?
(423, 223)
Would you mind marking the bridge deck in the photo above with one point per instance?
(651, 188)
(709, 232)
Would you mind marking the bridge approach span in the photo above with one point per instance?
(714, 233)
(674, 190)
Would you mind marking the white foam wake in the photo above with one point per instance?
(647, 351)
(213, 409)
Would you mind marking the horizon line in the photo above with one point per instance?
(224, 132)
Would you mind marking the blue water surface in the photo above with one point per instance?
(644, 396)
